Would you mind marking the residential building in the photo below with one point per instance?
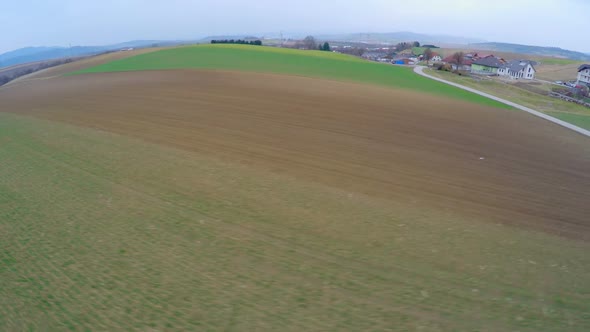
(465, 65)
(518, 69)
(584, 75)
(487, 66)
(436, 57)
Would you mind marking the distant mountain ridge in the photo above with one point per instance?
(532, 50)
(402, 36)
(228, 37)
(33, 54)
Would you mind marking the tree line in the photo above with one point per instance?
(310, 43)
(237, 41)
(405, 46)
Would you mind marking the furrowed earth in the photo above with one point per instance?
(200, 199)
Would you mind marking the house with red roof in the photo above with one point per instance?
(465, 64)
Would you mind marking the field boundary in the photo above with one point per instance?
(420, 71)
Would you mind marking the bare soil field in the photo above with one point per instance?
(194, 200)
(501, 166)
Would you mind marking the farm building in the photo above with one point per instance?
(584, 75)
(436, 57)
(404, 61)
(487, 66)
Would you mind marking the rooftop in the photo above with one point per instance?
(518, 65)
(490, 61)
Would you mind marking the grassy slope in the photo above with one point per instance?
(570, 112)
(580, 120)
(89, 240)
(287, 61)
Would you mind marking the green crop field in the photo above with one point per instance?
(287, 61)
(91, 241)
(580, 120)
(556, 61)
(418, 50)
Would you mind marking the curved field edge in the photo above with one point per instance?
(287, 61)
(90, 240)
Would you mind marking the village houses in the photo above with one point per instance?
(515, 69)
(465, 64)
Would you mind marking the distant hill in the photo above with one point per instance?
(532, 50)
(33, 54)
(396, 37)
(228, 37)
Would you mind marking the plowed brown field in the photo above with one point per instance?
(501, 166)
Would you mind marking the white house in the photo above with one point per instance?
(436, 57)
(584, 75)
(518, 69)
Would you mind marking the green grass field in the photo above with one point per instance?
(91, 241)
(418, 50)
(287, 61)
(580, 120)
(555, 61)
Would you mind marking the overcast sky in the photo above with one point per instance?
(562, 23)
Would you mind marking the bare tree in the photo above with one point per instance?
(458, 59)
(310, 43)
(427, 55)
